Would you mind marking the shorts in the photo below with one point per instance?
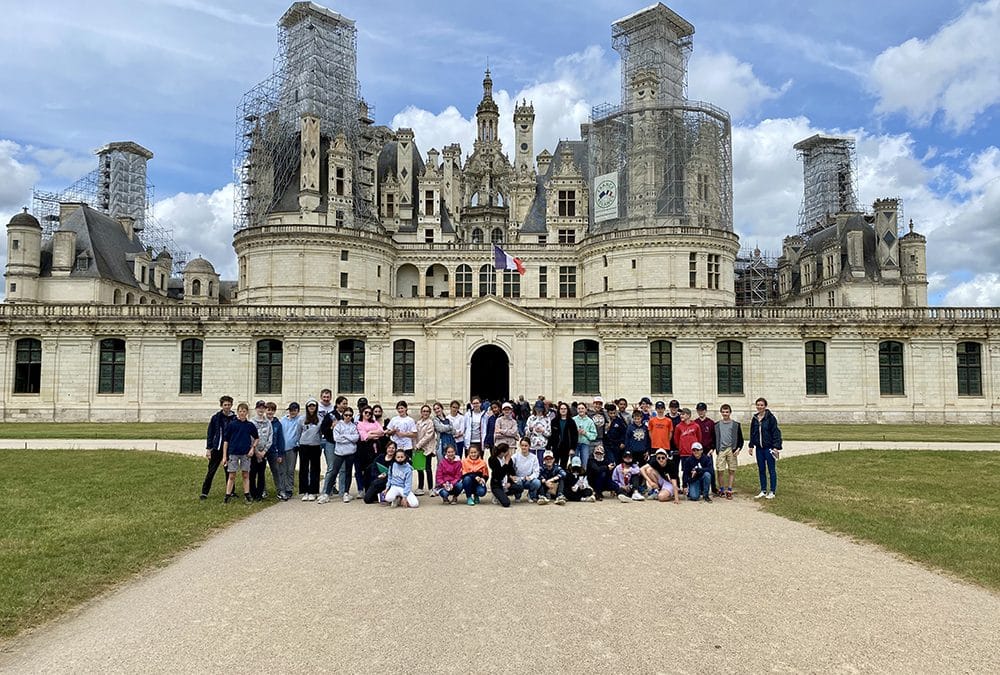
(727, 460)
(238, 463)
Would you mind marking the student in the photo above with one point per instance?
(475, 423)
(290, 432)
(565, 436)
(686, 434)
(637, 438)
(600, 419)
(698, 474)
(403, 429)
(552, 477)
(492, 415)
(521, 413)
(258, 459)
(345, 447)
(501, 471)
(445, 432)
(526, 469)
(707, 426)
(326, 405)
(238, 444)
(599, 471)
(538, 430)
(505, 428)
(660, 428)
(449, 476)
(586, 433)
(577, 487)
(614, 437)
(276, 454)
(398, 480)
(369, 433)
(458, 427)
(214, 439)
(379, 475)
(765, 445)
(309, 450)
(660, 483)
(425, 447)
(382, 442)
(474, 475)
(729, 441)
(674, 414)
(626, 477)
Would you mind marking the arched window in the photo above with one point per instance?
(196, 287)
(815, 368)
(351, 367)
(586, 367)
(496, 236)
(211, 289)
(142, 300)
(28, 366)
(477, 236)
(890, 368)
(970, 369)
(117, 298)
(191, 354)
(403, 367)
(511, 284)
(111, 375)
(463, 282)
(661, 378)
(487, 280)
(729, 364)
(269, 360)
(129, 299)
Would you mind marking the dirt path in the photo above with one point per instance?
(606, 587)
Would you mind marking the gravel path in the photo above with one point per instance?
(606, 587)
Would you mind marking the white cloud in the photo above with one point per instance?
(17, 176)
(725, 81)
(202, 225)
(60, 163)
(956, 71)
(981, 291)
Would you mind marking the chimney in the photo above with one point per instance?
(63, 252)
(128, 224)
(67, 208)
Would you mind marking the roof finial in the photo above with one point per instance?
(911, 225)
(25, 208)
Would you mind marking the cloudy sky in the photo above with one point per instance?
(916, 81)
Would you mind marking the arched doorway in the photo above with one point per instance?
(490, 376)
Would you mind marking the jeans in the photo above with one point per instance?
(272, 464)
(699, 487)
(309, 469)
(444, 440)
(286, 472)
(331, 458)
(258, 473)
(519, 485)
(500, 495)
(521, 425)
(766, 460)
(445, 493)
(601, 481)
(214, 462)
(583, 452)
(472, 488)
(340, 470)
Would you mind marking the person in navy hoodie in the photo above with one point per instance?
(698, 474)
(213, 442)
(765, 445)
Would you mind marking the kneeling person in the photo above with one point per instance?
(552, 477)
(526, 472)
(660, 483)
(628, 480)
(698, 474)
(577, 487)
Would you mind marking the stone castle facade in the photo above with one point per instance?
(367, 266)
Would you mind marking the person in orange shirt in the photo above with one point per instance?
(661, 429)
(686, 434)
(474, 475)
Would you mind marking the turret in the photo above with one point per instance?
(487, 114)
(524, 134)
(913, 267)
(24, 257)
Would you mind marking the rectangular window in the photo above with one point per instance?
(586, 367)
(429, 236)
(343, 279)
(15, 244)
(378, 272)
(511, 284)
(970, 372)
(809, 301)
(605, 284)
(111, 376)
(567, 282)
(543, 239)
(605, 260)
(28, 366)
(890, 368)
(543, 282)
(567, 203)
(567, 236)
(13, 287)
(729, 357)
(693, 270)
(191, 359)
(633, 263)
(831, 299)
(351, 367)
(702, 187)
(703, 220)
(269, 366)
(390, 205)
(340, 182)
(343, 255)
(429, 202)
(714, 271)
(142, 275)
(343, 303)
(829, 267)
(403, 368)
(339, 219)
(661, 367)
(815, 368)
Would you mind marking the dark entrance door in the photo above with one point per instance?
(490, 374)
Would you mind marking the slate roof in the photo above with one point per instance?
(534, 222)
(105, 243)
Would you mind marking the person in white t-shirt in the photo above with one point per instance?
(403, 429)
(457, 419)
(475, 423)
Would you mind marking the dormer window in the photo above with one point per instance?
(82, 263)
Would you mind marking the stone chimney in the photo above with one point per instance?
(128, 224)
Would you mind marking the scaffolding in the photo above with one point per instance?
(314, 73)
(756, 277)
(673, 156)
(118, 187)
(829, 173)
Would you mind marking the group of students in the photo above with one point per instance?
(651, 452)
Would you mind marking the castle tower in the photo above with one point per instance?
(913, 268)
(24, 256)
(122, 185)
(487, 115)
(524, 137)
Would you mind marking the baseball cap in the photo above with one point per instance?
(507, 404)
(312, 401)
(260, 404)
(539, 405)
(645, 399)
(696, 446)
(547, 454)
(293, 406)
(575, 462)
(661, 451)
(661, 404)
(627, 453)
(598, 399)
(701, 406)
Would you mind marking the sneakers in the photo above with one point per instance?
(560, 500)
(419, 493)
(305, 497)
(708, 498)
(652, 494)
(248, 499)
(729, 494)
(228, 497)
(203, 497)
(476, 498)
(637, 497)
(470, 501)
(323, 498)
(760, 494)
(542, 501)
(591, 498)
(312, 498)
(347, 499)
(769, 495)
(624, 498)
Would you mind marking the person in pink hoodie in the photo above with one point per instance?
(449, 476)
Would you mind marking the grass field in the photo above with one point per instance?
(792, 432)
(938, 508)
(75, 523)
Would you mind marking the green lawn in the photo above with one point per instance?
(938, 508)
(75, 523)
(165, 431)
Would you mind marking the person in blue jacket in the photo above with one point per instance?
(697, 471)
(765, 445)
(213, 441)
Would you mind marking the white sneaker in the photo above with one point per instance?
(624, 498)
(760, 494)
(591, 498)
(312, 498)
(542, 501)
(323, 498)
(769, 495)
(347, 498)
(305, 497)
(637, 497)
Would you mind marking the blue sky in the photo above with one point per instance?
(918, 83)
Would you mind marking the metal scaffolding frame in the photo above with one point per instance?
(674, 156)
(315, 73)
(829, 177)
(756, 277)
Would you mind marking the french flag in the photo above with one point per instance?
(504, 261)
